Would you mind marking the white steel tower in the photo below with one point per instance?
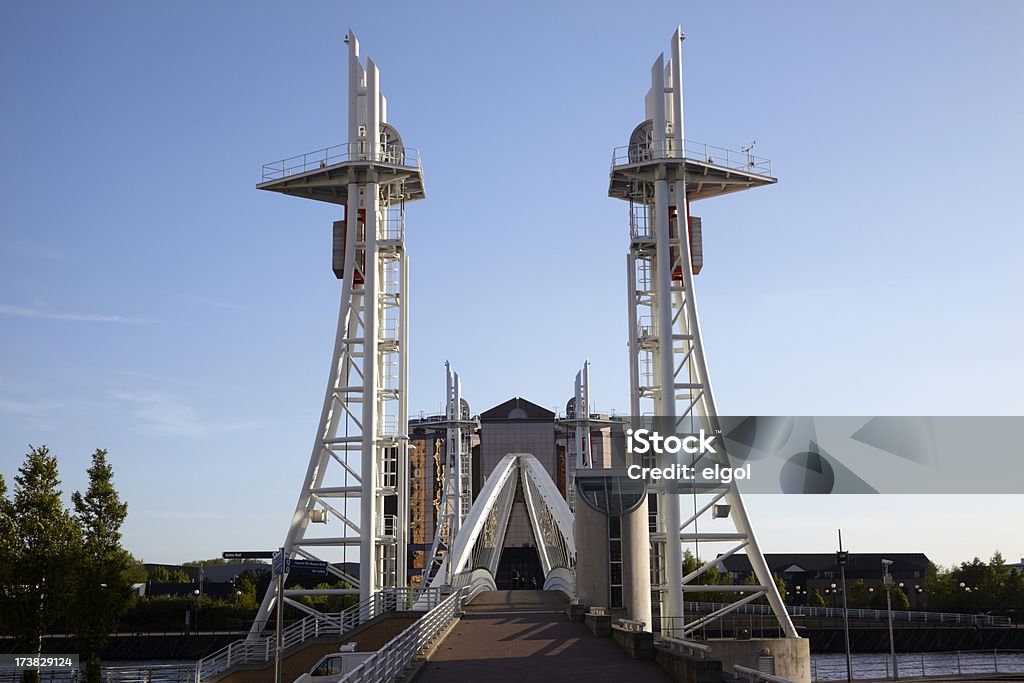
(660, 173)
(580, 455)
(357, 478)
(457, 491)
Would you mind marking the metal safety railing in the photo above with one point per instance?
(876, 614)
(738, 160)
(397, 155)
(392, 659)
(919, 664)
(156, 673)
(631, 625)
(688, 646)
(755, 675)
(261, 649)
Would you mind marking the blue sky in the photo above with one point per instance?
(153, 303)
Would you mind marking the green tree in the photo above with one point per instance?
(160, 575)
(41, 544)
(7, 545)
(900, 601)
(816, 599)
(105, 569)
(245, 591)
(780, 583)
(859, 595)
(180, 576)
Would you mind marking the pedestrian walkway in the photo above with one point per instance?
(526, 636)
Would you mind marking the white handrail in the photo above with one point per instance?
(262, 649)
(696, 649)
(400, 651)
(755, 675)
(395, 155)
(630, 625)
(737, 160)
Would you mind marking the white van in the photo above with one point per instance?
(332, 667)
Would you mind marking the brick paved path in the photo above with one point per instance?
(504, 639)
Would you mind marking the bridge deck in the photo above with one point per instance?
(508, 637)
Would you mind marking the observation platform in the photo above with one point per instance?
(709, 171)
(325, 174)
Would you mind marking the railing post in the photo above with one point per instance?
(995, 659)
(959, 672)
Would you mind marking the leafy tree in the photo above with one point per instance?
(159, 575)
(180, 576)
(689, 562)
(245, 591)
(859, 595)
(41, 540)
(7, 536)
(900, 601)
(105, 569)
(215, 562)
(816, 599)
(780, 584)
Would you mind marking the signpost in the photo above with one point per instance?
(281, 566)
(887, 581)
(247, 554)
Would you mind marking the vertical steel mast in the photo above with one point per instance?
(659, 173)
(457, 491)
(357, 476)
(580, 455)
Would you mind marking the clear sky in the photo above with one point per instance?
(154, 303)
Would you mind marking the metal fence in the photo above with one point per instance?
(156, 673)
(392, 659)
(918, 664)
(875, 614)
(737, 160)
(397, 155)
(261, 649)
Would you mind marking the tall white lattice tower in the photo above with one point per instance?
(357, 479)
(660, 173)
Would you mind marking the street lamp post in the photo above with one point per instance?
(198, 596)
(842, 557)
(888, 581)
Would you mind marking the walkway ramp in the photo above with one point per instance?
(522, 635)
(518, 601)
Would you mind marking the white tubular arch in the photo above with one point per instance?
(549, 516)
(552, 499)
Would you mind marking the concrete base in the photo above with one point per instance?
(792, 656)
(575, 612)
(685, 668)
(599, 624)
(637, 644)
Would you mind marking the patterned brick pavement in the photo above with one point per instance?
(527, 646)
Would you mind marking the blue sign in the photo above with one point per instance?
(317, 567)
(279, 563)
